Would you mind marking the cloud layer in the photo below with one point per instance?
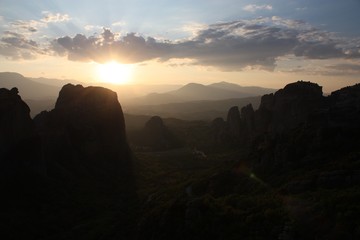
(228, 46)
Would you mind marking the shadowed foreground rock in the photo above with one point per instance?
(85, 134)
(19, 143)
(87, 190)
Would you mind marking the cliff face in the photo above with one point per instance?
(286, 109)
(85, 133)
(344, 106)
(19, 144)
(296, 125)
(87, 175)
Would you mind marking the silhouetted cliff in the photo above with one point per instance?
(295, 128)
(85, 133)
(86, 168)
(19, 143)
(286, 109)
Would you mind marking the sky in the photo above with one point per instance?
(251, 43)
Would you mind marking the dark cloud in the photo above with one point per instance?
(16, 46)
(130, 49)
(228, 46)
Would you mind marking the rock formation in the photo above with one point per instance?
(218, 129)
(85, 133)
(293, 105)
(300, 127)
(156, 136)
(233, 121)
(88, 182)
(19, 143)
(286, 109)
(294, 125)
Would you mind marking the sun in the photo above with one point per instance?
(114, 72)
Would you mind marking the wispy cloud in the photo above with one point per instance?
(17, 40)
(343, 69)
(32, 26)
(50, 17)
(119, 23)
(93, 27)
(193, 28)
(254, 7)
(29, 26)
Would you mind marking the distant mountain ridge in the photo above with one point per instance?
(196, 91)
(40, 94)
(29, 89)
(200, 92)
(252, 90)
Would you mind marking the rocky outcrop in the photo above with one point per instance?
(19, 143)
(293, 105)
(286, 109)
(84, 135)
(306, 129)
(218, 130)
(236, 129)
(233, 124)
(156, 136)
(88, 179)
(233, 121)
(295, 126)
(344, 106)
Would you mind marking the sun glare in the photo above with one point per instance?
(114, 72)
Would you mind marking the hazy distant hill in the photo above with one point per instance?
(28, 89)
(55, 82)
(196, 91)
(37, 106)
(35, 92)
(155, 99)
(192, 102)
(253, 90)
(199, 92)
(193, 110)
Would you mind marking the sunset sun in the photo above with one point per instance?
(114, 72)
